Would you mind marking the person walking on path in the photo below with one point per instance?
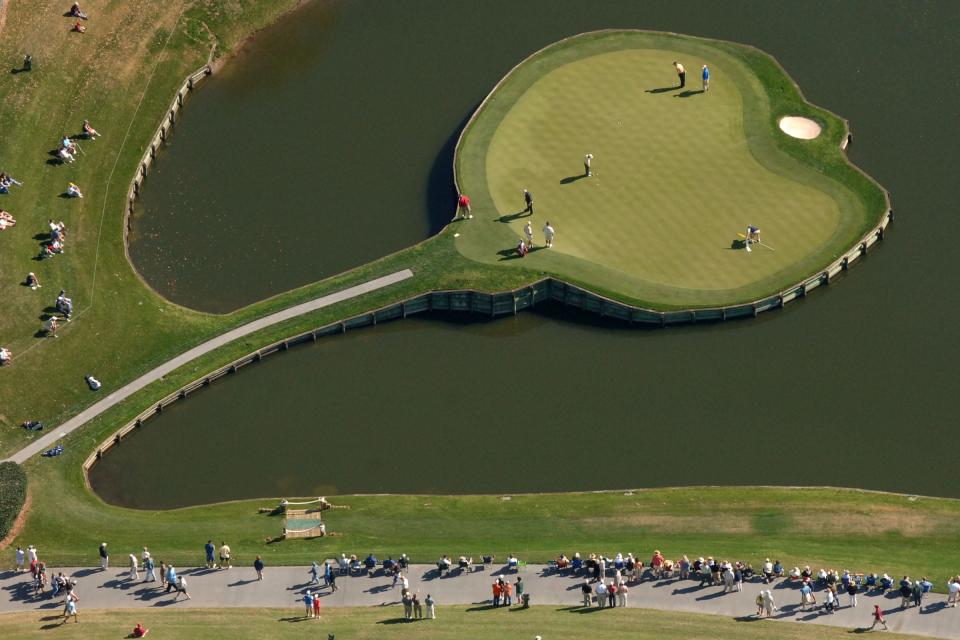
(171, 578)
(769, 605)
(706, 79)
(104, 556)
(953, 589)
(852, 589)
(681, 73)
(333, 582)
(878, 618)
(431, 610)
(587, 160)
(528, 231)
(518, 587)
(181, 588)
(21, 556)
(224, 555)
(258, 567)
(314, 573)
(463, 207)
(148, 567)
(70, 606)
(163, 575)
(548, 233)
(134, 563)
(208, 550)
(528, 201)
(417, 608)
(308, 604)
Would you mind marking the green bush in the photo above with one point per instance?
(13, 493)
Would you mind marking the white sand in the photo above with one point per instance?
(803, 128)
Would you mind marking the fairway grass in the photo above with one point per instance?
(452, 623)
(677, 174)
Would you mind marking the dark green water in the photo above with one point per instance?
(853, 386)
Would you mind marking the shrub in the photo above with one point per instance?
(13, 493)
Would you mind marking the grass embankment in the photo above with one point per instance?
(453, 623)
(820, 527)
(674, 180)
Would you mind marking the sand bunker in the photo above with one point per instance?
(798, 127)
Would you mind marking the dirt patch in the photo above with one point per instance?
(18, 523)
(876, 520)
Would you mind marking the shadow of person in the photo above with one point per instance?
(662, 89)
(508, 254)
(688, 93)
(570, 179)
(510, 217)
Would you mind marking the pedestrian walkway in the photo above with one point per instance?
(284, 586)
(57, 433)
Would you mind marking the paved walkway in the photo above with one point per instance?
(56, 433)
(283, 587)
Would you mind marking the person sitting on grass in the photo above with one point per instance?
(522, 248)
(8, 181)
(73, 191)
(6, 220)
(89, 132)
(139, 631)
(79, 28)
(65, 155)
(76, 12)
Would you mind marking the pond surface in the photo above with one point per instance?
(853, 386)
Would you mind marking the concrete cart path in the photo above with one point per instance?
(56, 433)
(284, 587)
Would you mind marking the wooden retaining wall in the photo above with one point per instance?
(505, 303)
(160, 137)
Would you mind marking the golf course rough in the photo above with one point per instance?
(677, 175)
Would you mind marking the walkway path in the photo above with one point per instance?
(56, 433)
(283, 587)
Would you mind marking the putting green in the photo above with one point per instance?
(677, 173)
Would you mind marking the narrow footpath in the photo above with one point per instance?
(58, 432)
(284, 587)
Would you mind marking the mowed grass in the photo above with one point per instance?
(677, 174)
(452, 623)
(861, 531)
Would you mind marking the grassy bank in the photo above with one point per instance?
(821, 527)
(452, 623)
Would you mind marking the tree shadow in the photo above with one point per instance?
(688, 93)
(663, 89)
(570, 179)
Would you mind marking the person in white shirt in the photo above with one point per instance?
(134, 573)
(601, 591)
(528, 231)
(21, 555)
(31, 554)
(548, 233)
(953, 589)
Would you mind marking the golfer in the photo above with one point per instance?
(706, 78)
(587, 159)
(528, 200)
(528, 231)
(548, 234)
(681, 73)
(463, 206)
(753, 236)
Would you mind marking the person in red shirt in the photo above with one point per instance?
(497, 590)
(463, 207)
(139, 631)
